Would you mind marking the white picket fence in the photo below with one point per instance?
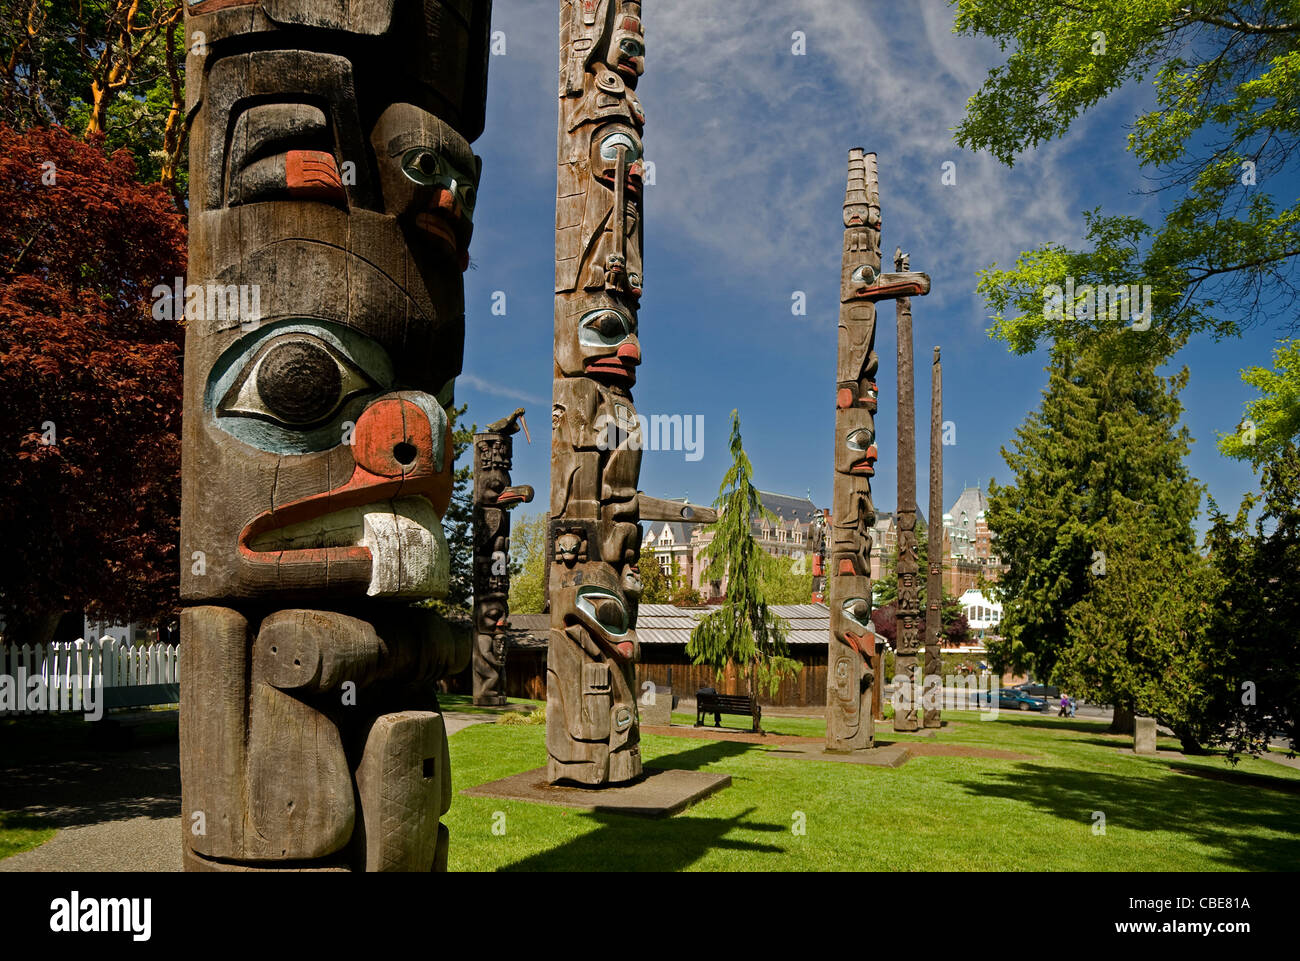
(65, 667)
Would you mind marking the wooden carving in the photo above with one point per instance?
(332, 191)
(934, 580)
(849, 723)
(493, 499)
(592, 734)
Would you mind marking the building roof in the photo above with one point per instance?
(666, 624)
(681, 532)
(972, 502)
(788, 508)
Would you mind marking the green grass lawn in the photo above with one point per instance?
(22, 832)
(934, 813)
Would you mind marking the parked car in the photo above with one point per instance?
(1034, 689)
(1013, 699)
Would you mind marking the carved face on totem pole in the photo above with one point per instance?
(331, 173)
(592, 735)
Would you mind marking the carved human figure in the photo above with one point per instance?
(494, 496)
(330, 168)
(592, 728)
(851, 647)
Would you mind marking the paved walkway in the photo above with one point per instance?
(116, 810)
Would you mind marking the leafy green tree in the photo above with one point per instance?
(1138, 637)
(1223, 128)
(1272, 421)
(1255, 613)
(785, 580)
(656, 586)
(110, 67)
(742, 630)
(529, 564)
(1100, 461)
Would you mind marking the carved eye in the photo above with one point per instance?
(421, 165)
(864, 275)
(859, 439)
(858, 611)
(296, 381)
(604, 328)
(609, 147)
(630, 47)
(605, 608)
(424, 166)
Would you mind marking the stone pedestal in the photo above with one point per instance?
(1144, 735)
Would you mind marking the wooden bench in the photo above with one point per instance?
(711, 702)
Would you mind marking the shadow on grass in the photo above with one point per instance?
(50, 769)
(1286, 786)
(1211, 814)
(707, 752)
(1037, 720)
(622, 843)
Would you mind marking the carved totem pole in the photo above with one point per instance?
(907, 640)
(330, 171)
(818, 551)
(934, 553)
(493, 499)
(592, 734)
(849, 723)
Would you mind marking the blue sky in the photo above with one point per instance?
(750, 146)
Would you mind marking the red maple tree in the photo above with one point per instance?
(90, 385)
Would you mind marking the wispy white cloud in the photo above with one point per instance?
(498, 390)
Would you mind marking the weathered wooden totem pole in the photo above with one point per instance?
(907, 640)
(849, 723)
(818, 551)
(330, 170)
(493, 499)
(592, 734)
(934, 553)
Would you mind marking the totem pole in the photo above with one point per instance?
(818, 551)
(331, 174)
(909, 592)
(493, 500)
(934, 552)
(592, 735)
(850, 678)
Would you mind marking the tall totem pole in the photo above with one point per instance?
(592, 734)
(909, 594)
(934, 553)
(849, 724)
(493, 499)
(331, 174)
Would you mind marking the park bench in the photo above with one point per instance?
(711, 702)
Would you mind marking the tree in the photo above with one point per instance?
(656, 586)
(1225, 125)
(1255, 612)
(529, 565)
(742, 630)
(90, 385)
(1272, 421)
(458, 521)
(1098, 464)
(785, 580)
(111, 67)
(1138, 638)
